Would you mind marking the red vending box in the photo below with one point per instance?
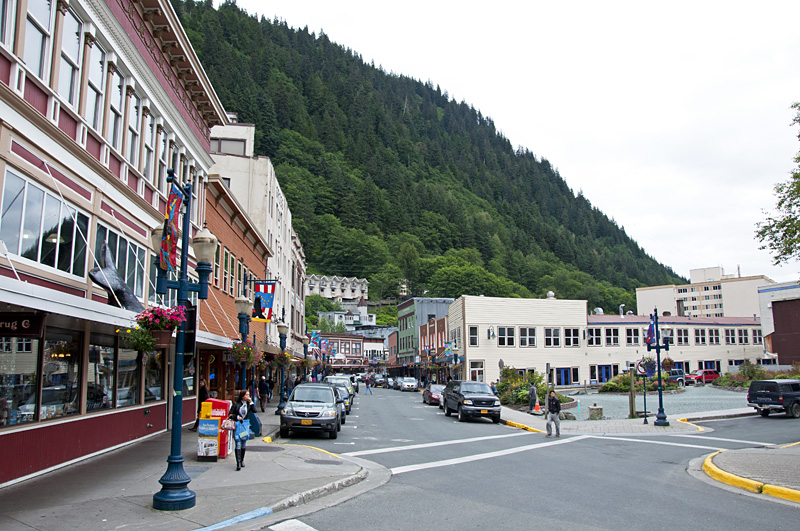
(220, 410)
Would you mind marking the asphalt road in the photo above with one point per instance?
(478, 475)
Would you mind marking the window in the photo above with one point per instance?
(683, 336)
(699, 336)
(473, 336)
(19, 373)
(612, 337)
(6, 20)
(95, 87)
(713, 336)
(228, 146)
(571, 337)
(225, 271)
(217, 266)
(68, 76)
(744, 337)
(527, 336)
(38, 226)
(476, 371)
(730, 336)
(682, 290)
(552, 337)
(631, 336)
(505, 336)
(127, 256)
(595, 337)
(757, 340)
(134, 118)
(37, 36)
(716, 288)
(231, 275)
(61, 377)
(116, 109)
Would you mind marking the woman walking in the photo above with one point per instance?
(243, 406)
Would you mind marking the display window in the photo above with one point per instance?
(19, 373)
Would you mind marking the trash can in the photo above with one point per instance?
(219, 410)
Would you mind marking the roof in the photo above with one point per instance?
(672, 320)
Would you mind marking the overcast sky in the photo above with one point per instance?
(672, 118)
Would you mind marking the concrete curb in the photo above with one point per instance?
(716, 473)
(304, 497)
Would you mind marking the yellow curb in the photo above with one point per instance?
(686, 421)
(313, 448)
(788, 445)
(520, 426)
(267, 439)
(730, 479)
(782, 492)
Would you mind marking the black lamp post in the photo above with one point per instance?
(244, 309)
(661, 417)
(175, 494)
(283, 329)
(305, 357)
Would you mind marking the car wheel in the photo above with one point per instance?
(344, 420)
(496, 419)
(446, 410)
(681, 384)
(284, 433)
(333, 434)
(795, 409)
(764, 412)
(461, 417)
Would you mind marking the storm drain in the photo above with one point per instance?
(323, 462)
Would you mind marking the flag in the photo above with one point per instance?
(315, 338)
(651, 334)
(169, 239)
(262, 301)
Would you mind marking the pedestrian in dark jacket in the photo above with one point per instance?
(553, 409)
(263, 393)
(240, 410)
(202, 396)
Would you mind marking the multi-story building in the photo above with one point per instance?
(337, 288)
(711, 293)
(345, 351)
(410, 315)
(780, 321)
(353, 317)
(433, 339)
(252, 181)
(97, 100)
(534, 334)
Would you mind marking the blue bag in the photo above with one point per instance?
(242, 432)
(255, 424)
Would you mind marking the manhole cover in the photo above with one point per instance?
(264, 449)
(323, 462)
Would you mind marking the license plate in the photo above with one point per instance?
(305, 422)
(484, 411)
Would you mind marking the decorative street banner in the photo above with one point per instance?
(262, 302)
(314, 338)
(169, 238)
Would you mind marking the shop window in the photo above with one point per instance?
(19, 373)
(101, 374)
(60, 375)
(50, 232)
(153, 376)
(128, 378)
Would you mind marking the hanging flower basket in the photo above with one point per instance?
(283, 359)
(138, 339)
(163, 338)
(156, 318)
(667, 364)
(247, 353)
(650, 366)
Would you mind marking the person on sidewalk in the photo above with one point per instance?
(263, 393)
(532, 398)
(493, 387)
(202, 396)
(553, 409)
(240, 410)
(270, 387)
(368, 389)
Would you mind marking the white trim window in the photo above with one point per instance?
(473, 336)
(149, 130)
(713, 336)
(572, 337)
(699, 336)
(683, 336)
(96, 87)
(552, 337)
(612, 337)
(134, 123)
(631, 336)
(69, 71)
(730, 336)
(116, 109)
(527, 336)
(38, 30)
(744, 336)
(594, 337)
(757, 339)
(505, 336)
(7, 8)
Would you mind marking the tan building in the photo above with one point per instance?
(711, 293)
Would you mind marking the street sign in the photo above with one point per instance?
(640, 368)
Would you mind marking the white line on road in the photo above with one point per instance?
(647, 441)
(479, 457)
(433, 444)
(292, 525)
(344, 443)
(721, 439)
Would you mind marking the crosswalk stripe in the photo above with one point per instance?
(649, 441)
(434, 444)
(292, 525)
(721, 439)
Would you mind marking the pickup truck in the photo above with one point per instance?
(768, 396)
(470, 399)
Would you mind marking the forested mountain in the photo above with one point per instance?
(389, 178)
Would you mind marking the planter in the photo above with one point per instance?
(163, 338)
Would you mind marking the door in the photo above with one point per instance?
(563, 376)
(603, 373)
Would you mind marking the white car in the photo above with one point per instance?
(408, 384)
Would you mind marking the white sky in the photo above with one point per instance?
(673, 118)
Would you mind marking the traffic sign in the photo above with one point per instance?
(640, 368)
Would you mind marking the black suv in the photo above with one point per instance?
(775, 395)
(470, 399)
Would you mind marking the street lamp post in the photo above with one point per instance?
(305, 357)
(244, 308)
(661, 417)
(175, 494)
(283, 329)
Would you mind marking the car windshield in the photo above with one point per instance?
(698, 372)
(338, 380)
(437, 388)
(343, 391)
(312, 394)
(477, 388)
(409, 380)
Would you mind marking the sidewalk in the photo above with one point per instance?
(116, 490)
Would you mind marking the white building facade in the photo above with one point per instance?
(337, 288)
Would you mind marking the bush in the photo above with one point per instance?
(513, 387)
(622, 384)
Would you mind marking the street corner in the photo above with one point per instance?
(719, 474)
(695, 426)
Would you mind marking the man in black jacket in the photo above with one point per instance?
(553, 409)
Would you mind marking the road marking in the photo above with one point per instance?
(721, 439)
(479, 457)
(433, 444)
(292, 525)
(647, 441)
(344, 443)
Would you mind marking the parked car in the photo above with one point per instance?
(389, 383)
(344, 380)
(312, 407)
(341, 393)
(768, 396)
(354, 381)
(677, 376)
(347, 398)
(702, 376)
(398, 382)
(432, 393)
(470, 399)
(378, 380)
(409, 384)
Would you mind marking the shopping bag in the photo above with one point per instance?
(255, 424)
(242, 432)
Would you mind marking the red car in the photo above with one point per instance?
(702, 375)
(432, 394)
